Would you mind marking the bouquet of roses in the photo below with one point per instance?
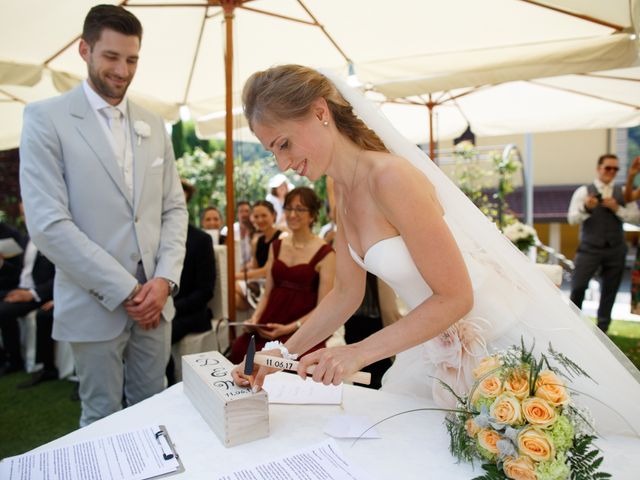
(523, 236)
(520, 420)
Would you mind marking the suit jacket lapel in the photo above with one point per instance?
(92, 133)
(141, 152)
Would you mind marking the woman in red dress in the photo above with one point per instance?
(300, 270)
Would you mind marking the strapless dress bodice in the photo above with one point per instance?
(390, 260)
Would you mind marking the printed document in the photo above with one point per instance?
(319, 462)
(291, 389)
(135, 455)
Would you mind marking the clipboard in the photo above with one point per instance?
(168, 451)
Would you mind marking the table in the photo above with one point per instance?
(413, 446)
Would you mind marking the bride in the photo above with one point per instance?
(469, 289)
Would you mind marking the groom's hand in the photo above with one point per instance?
(146, 306)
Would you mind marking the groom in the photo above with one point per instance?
(104, 203)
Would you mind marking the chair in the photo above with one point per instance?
(27, 326)
(553, 272)
(63, 355)
(219, 304)
(218, 337)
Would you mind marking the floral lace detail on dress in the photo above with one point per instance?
(454, 354)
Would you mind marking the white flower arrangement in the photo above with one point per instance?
(142, 129)
(523, 236)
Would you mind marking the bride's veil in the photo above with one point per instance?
(515, 297)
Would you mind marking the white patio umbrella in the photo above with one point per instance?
(187, 55)
(607, 99)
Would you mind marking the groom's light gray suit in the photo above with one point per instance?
(81, 215)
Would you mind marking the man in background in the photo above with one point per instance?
(600, 210)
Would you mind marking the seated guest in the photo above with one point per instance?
(34, 289)
(196, 286)
(243, 231)
(263, 216)
(211, 222)
(44, 348)
(300, 272)
(10, 268)
(378, 310)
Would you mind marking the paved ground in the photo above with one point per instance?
(621, 309)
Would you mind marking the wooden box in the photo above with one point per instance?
(235, 414)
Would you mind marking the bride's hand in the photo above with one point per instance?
(331, 365)
(256, 379)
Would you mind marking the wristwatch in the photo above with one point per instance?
(172, 286)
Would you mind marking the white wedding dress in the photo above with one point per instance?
(413, 370)
(512, 300)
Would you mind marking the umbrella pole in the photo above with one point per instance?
(229, 7)
(432, 147)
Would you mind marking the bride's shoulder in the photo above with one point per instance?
(387, 168)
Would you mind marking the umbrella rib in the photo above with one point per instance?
(61, 51)
(12, 97)
(278, 15)
(584, 94)
(468, 92)
(324, 31)
(608, 77)
(74, 40)
(163, 5)
(588, 18)
(195, 58)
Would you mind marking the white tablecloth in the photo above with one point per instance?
(413, 446)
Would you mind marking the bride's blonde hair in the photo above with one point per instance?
(287, 92)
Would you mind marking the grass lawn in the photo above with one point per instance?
(626, 335)
(34, 416)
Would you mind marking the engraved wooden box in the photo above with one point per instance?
(235, 414)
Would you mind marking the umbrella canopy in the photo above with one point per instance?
(606, 99)
(455, 43)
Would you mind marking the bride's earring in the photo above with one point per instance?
(325, 123)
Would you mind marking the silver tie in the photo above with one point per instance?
(117, 130)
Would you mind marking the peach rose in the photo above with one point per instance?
(539, 412)
(551, 388)
(534, 443)
(488, 440)
(490, 387)
(471, 427)
(486, 365)
(518, 384)
(520, 468)
(506, 409)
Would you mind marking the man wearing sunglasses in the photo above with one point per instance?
(600, 210)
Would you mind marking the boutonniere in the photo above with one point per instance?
(142, 129)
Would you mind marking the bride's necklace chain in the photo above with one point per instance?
(353, 180)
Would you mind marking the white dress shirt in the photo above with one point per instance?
(97, 105)
(243, 242)
(578, 213)
(26, 276)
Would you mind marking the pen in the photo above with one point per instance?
(164, 445)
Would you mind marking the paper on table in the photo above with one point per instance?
(291, 389)
(322, 461)
(134, 455)
(9, 248)
(351, 426)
